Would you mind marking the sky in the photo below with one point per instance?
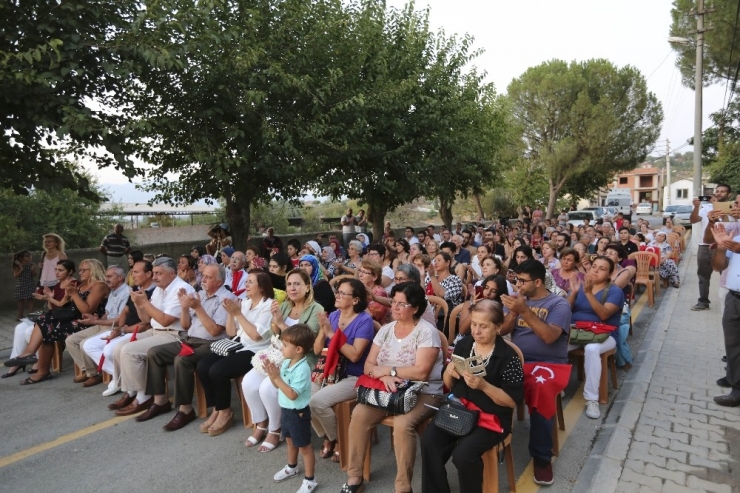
(516, 35)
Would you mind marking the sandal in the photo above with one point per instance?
(335, 458)
(203, 427)
(355, 488)
(252, 440)
(269, 447)
(327, 450)
(31, 381)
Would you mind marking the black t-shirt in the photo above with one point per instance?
(631, 247)
(132, 316)
(504, 370)
(323, 294)
(499, 250)
(278, 282)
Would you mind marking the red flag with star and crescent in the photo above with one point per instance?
(542, 383)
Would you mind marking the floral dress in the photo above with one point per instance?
(52, 330)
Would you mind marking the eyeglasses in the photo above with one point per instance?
(399, 280)
(399, 304)
(519, 280)
(367, 273)
(342, 293)
(372, 254)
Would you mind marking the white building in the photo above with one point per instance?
(681, 193)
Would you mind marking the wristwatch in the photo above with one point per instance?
(394, 373)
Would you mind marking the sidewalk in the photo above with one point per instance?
(664, 433)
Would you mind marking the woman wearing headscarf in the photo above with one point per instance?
(323, 294)
(327, 262)
(204, 260)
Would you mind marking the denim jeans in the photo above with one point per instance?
(540, 436)
(624, 355)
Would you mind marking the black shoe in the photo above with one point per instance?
(13, 373)
(728, 400)
(722, 382)
(22, 361)
(724, 359)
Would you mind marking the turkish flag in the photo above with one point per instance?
(185, 350)
(542, 383)
(133, 337)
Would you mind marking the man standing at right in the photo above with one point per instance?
(539, 323)
(115, 246)
(704, 255)
(727, 256)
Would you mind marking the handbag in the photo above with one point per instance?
(585, 332)
(226, 347)
(456, 419)
(401, 401)
(319, 378)
(66, 313)
(273, 353)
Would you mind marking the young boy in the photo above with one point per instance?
(293, 381)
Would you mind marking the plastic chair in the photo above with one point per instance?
(644, 275)
(56, 359)
(608, 362)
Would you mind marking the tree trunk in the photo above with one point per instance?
(238, 215)
(376, 215)
(445, 212)
(479, 206)
(551, 201)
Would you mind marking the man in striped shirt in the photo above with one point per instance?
(115, 246)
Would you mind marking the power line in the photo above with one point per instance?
(732, 47)
(661, 64)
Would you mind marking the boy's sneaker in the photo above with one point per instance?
(592, 410)
(543, 473)
(285, 473)
(308, 486)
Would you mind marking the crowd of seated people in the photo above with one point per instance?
(527, 281)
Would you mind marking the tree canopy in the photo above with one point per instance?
(583, 122)
(721, 56)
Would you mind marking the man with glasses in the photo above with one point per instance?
(539, 322)
(704, 256)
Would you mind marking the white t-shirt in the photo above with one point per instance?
(168, 301)
(413, 240)
(350, 226)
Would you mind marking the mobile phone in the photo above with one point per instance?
(705, 198)
(478, 291)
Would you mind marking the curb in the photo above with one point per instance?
(603, 467)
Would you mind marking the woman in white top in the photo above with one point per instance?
(53, 245)
(249, 320)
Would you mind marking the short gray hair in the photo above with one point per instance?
(411, 272)
(117, 270)
(166, 263)
(358, 246)
(220, 269)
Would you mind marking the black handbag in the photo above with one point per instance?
(455, 419)
(401, 401)
(66, 313)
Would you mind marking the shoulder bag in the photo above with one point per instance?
(585, 332)
(273, 353)
(227, 346)
(454, 418)
(372, 392)
(66, 313)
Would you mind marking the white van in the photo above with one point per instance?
(620, 199)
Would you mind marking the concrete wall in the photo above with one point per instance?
(171, 248)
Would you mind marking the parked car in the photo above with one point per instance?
(576, 217)
(669, 211)
(682, 215)
(600, 211)
(644, 208)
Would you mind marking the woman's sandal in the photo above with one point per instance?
(269, 447)
(335, 457)
(31, 381)
(327, 450)
(355, 488)
(252, 441)
(203, 427)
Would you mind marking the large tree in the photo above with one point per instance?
(583, 122)
(227, 92)
(57, 60)
(721, 56)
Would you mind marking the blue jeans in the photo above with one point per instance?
(624, 355)
(540, 436)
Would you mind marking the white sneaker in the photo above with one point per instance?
(112, 389)
(308, 486)
(285, 473)
(592, 410)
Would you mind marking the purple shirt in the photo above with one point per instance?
(359, 328)
(553, 310)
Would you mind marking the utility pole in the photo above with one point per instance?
(698, 90)
(668, 172)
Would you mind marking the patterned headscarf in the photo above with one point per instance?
(208, 259)
(316, 273)
(330, 255)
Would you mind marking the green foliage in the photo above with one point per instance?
(26, 218)
(582, 122)
(56, 57)
(718, 65)
(721, 146)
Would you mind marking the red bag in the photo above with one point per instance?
(595, 327)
